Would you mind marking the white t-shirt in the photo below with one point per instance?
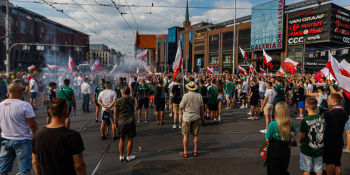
(311, 88)
(61, 80)
(33, 83)
(106, 97)
(270, 94)
(79, 81)
(25, 78)
(13, 115)
(245, 87)
(262, 86)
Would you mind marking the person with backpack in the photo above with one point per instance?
(68, 93)
(142, 96)
(178, 92)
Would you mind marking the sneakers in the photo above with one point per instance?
(138, 121)
(263, 131)
(219, 119)
(146, 121)
(227, 108)
(121, 158)
(256, 118)
(130, 158)
(246, 106)
(170, 115)
(346, 150)
(174, 126)
(180, 126)
(242, 107)
(214, 119)
(251, 118)
(249, 113)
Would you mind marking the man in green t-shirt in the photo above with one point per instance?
(311, 138)
(213, 100)
(229, 89)
(279, 91)
(99, 88)
(142, 96)
(67, 93)
(122, 83)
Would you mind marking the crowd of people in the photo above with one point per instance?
(193, 100)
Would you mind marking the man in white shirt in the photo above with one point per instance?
(79, 83)
(60, 81)
(244, 95)
(262, 89)
(33, 91)
(267, 105)
(17, 122)
(86, 91)
(107, 99)
(171, 85)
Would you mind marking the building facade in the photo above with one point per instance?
(29, 27)
(146, 42)
(107, 57)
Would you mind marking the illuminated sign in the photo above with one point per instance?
(340, 25)
(199, 37)
(267, 26)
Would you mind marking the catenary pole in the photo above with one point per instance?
(234, 41)
(7, 62)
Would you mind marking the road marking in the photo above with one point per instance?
(101, 158)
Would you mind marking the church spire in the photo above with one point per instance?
(187, 22)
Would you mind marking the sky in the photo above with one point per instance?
(105, 25)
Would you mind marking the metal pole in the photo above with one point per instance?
(234, 42)
(304, 58)
(7, 62)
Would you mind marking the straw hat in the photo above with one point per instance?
(191, 86)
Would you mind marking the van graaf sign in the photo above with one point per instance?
(267, 26)
(306, 27)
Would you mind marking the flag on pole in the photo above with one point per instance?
(52, 67)
(243, 53)
(241, 69)
(346, 68)
(178, 61)
(210, 70)
(267, 59)
(96, 66)
(281, 72)
(114, 68)
(290, 66)
(71, 64)
(252, 70)
(142, 55)
(336, 70)
(262, 70)
(31, 68)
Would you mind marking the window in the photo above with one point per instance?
(198, 48)
(227, 41)
(22, 27)
(213, 60)
(214, 43)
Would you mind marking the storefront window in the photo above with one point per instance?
(227, 60)
(213, 60)
(214, 43)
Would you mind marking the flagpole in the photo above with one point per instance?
(234, 42)
(183, 76)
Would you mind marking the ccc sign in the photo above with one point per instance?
(296, 40)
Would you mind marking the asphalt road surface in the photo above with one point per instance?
(228, 148)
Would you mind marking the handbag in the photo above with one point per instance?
(293, 140)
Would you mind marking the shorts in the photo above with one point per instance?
(188, 127)
(229, 97)
(243, 96)
(311, 164)
(332, 156)
(254, 101)
(12, 149)
(160, 105)
(262, 95)
(220, 98)
(347, 124)
(109, 119)
(205, 101)
(301, 104)
(97, 105)
(127, 130)
(143, 103)
(268, 110)
(151, 97)
(176, 108)
(171, 99)
(33, 94)
(213, 107)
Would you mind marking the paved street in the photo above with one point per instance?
(229, 148)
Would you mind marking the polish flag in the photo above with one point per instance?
(241, 69)
(52, 67)
(96, 66)
(336, 70)
(262, 70)
(252, 70)
(346, 68)
(267, 59)
(71, 64)
(243, 53)
(281, 72)
(178, 62)
(210, 70)
(114, 68)
(31, 68)
(290, 65)
(142, 55)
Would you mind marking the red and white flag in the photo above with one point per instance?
(31, 68)
(178, 62)
(52, 67)
(346, 68)
(114, 68)
(241, 69)
(210, 70)
(142, 55)
(267, 59)
(262, 70)
(281, 72)
(336, 70)
(71, 64)
(252, 70)
(96, 66)
(290, 66)
(243, 53)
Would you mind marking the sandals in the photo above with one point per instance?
(195, 154)
(182, 154)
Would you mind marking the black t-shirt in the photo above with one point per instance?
(300, 94)
(55, 147)
(335, 121)
(177, 91)
(346, 103)
(255, 91)
(159, 94)
(134, 88)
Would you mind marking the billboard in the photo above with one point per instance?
(309, 26)
(267, 26)
(340, 25)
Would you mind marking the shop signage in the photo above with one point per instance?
(346, 40)
(340, 25)
(267, 26)
(199, 62)
(198, 37)
(304, 4)
(307, 18)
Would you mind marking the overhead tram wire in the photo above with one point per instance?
(121, 14)
(87, 28)
(138, 27)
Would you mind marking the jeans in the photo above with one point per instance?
(86, 102)
(10, 149)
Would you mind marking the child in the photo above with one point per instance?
(311, 138)
(335, 120)
(51, 95)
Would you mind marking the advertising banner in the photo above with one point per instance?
(340, 31)
(267, 26)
